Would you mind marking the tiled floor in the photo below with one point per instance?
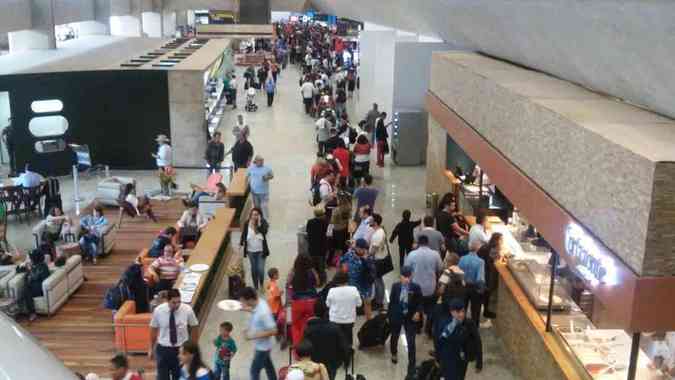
(284, 135)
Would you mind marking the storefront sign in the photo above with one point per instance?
(589, 259)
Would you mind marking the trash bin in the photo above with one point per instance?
(432, 201)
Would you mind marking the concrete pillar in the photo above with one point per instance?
(92, 28)
(41, 35)
(181, 18)
(169, 24)
(152, 24)
(128, 26)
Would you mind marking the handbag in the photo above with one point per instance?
(385, 265)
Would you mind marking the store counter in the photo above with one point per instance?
(238, 194)
(575, 348)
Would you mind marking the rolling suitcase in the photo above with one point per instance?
(374, 332)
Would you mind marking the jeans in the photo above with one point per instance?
(270, 99)
(257, 260)
(260, 201)
(89, 245)
(168, 367)
(379, 291)
(262, 359)
(221, 371)
(402, 253)
(410, 333)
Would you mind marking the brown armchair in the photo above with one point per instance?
(132, 331)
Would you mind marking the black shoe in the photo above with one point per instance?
(490, 315)
(394, 359)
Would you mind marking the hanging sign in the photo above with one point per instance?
(589, 259)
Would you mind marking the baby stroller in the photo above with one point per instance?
(250, 100)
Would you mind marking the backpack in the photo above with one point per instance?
(374, 332)
(115, 296)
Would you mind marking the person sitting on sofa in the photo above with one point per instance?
(165, 237)
(134, 205)
(191, 223)
(92, 229)
(36, 272)
(56, 225)
(165, 270)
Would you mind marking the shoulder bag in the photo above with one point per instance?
(385, 265)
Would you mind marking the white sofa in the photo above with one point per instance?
(57, 288)
(7, 273)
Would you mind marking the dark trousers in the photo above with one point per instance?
(403, 251)
(428, 303)
(475, 300)
(262, 360)
(332, 370)
(347, 330)
(270, 99)
(322, 148)
(168, 366)
(410, 333)
(454, 370)
(486, 301)
(319, 265)
(308, 104)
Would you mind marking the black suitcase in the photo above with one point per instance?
(374, 332)
(429, 370)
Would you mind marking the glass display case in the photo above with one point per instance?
(535, 279)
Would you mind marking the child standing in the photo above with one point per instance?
(273, 292)
(225, 350)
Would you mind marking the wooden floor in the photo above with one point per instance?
(81, 332)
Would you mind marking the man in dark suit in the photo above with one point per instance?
(405, 311)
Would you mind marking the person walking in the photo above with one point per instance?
(163, 157)
(457, 341)
(261, 330)
(8, 135)
(303, 281)
(378, 251)
(329, 344)
(307, 92)
(215, 154)
(253, 242)
(405, 311)
(491, 253)
(317, 242)
(381, 136)
(342, 301)
(474, 277)
(270, 89)
(259, 177)
(404, 233)
(173, 323)
(426, 265)
(242, 151)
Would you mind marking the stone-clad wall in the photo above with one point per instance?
(660, 249)
(603, 184)
(436, 158)
(528, 351)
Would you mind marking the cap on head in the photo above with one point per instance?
(456, 304)
(406, 271)
(362, 243)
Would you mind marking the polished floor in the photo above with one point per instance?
(284, 136)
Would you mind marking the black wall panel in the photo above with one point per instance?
(117, 113)
(255, 12)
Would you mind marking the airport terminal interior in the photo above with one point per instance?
(329, 189)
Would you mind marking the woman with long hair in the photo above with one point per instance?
(192, 365)
(253, 242)
(302, 282)
(490, 253)
(361, 152)
(134, 205)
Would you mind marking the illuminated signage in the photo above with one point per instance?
(590, 260)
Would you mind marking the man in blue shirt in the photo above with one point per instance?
(28, 179)
(363, 231)
(261, 329)
(259, 177)
(365, 195)
(426, 265)
(359, 266)
(474, 276)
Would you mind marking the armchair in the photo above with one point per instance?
(54, 291)
(68, 233)
(132, 331)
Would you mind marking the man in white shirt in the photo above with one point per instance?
(163, 157)
(342, 302)
(28, 179)
(378, 241)
(322, 133)
(173, 323)
(307, 91)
